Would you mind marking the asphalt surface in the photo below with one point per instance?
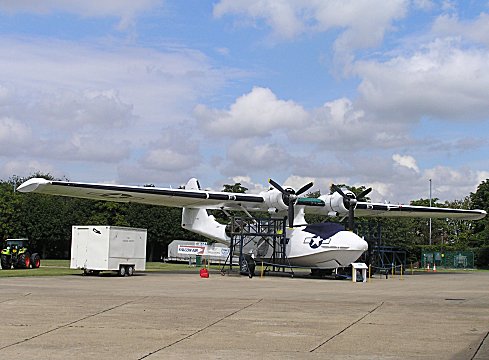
(176, 316)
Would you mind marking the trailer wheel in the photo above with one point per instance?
(122, 270)
(130, 271)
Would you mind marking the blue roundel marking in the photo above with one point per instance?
(314, 244)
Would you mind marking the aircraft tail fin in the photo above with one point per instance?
(192, 184)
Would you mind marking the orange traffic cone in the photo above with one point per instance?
(434, 267)
(428, 267)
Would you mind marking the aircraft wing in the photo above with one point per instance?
(196, 198)
(146, 195)
(396, 210)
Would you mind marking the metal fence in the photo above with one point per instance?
(448, 259)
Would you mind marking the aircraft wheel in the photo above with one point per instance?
(244, 267)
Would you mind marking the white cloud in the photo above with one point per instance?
(406, 161)
(482, 176)
(144, 74)
(168, 159)
(254, 114)
(247, 182)
(250, 154)
(475, 30)
(362, 23)
(13, 136)
(440, 80)
(126, 10)
(424, 4)
(341, 125)
(296, 182)
(104, 111)
(88, 147)
(72, 110)
(449, 183)
(335, 121)
(172, 151)
(402, 184)
(24, 168)
(81, 102)
(279, 15)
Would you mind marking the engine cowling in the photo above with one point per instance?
(335, 202)
(274, 200)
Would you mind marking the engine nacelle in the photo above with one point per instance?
(334, 202)
(274, 200)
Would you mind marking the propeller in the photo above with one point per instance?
(350, 202)
(289, 197)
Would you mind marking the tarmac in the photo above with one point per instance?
(176, 316)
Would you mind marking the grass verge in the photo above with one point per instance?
(62, 267)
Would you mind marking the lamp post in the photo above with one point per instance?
(430, 206)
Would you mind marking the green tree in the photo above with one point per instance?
(162, 224)
(236, 188)
(459, 233)
(10, 215)
(480, 200)
(315, 218)
(353, 189)
(107, 213)
(45, 223)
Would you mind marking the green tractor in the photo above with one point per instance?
(16, 253)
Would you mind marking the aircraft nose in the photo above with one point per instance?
(364, 245)
(359, 244)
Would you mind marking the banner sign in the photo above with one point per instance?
(191, 250)
(203, 250)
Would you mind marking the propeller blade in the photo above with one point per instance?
(290, 215)
(364, 193)
(351, 216)
(304, 188)
(339, 191)
(351, 203)
(277, 186)
(290, 197)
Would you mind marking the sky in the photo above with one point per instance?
(383, 94)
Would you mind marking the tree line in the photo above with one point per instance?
(47, 220)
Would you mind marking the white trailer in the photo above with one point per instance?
(108, 248)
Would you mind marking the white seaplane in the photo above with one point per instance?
(316, 246)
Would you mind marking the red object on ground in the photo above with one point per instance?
(204, 273)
